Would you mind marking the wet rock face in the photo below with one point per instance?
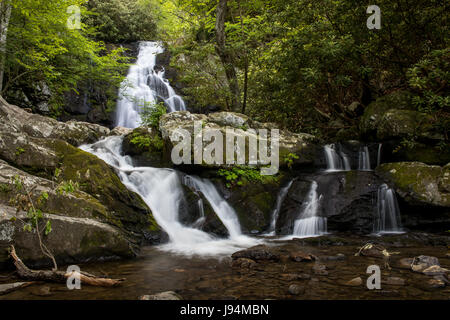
(423, 193)
(257, 253)
(348, 201)
(101, 215)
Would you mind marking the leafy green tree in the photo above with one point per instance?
(41, 49)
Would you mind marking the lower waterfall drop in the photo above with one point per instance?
(162, 191)
(280, 198)
(309, 224)
(388, 220)
(364, 159)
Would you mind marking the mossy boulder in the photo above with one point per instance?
(72, 240)
(418, 183)
(373, 114)
(406, 133)
(146, 147)
(38, 156)
(424, 193)
(253, 200)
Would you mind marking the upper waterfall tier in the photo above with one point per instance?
(144, 87)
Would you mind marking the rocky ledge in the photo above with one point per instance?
(93, 215)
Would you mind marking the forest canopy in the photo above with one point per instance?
(297, 63)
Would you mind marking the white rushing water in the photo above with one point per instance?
(276, 212)
(364, 159)
(380, 146)
(388, 220)
(336, 160)
(162, 191)
(144, 87)
(309, 224)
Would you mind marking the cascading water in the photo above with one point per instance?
(162, 190)
(380, 146)
(364, 159)
(280, 198)
(144, 87)
(336, 160)
(388, 220)
(309, 224)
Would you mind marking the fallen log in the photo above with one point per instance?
(58, 276)
(10, 287)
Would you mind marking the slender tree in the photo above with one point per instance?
(226, 56)
(5, 14)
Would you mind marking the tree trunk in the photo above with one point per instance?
(226, 57)
(5, 14)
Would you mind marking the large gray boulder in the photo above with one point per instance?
(16, 120)
(301, 144)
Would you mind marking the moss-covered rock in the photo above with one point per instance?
(418, 183)
(72, 240)
(146, 147)
(407, 134)
(253, 201)
(400, 100)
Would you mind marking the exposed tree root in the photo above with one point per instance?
(58, 276)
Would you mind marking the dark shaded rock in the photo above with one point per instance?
(168, 295)
(320, 269)
(257, 253)
(348, 201)
(422, 262)
(296, 290)
(300, 256)
(295, 276)
(243, 263)
(393, 281)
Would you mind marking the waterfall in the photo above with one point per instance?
(379, 154)
(364, 159)
(225, 212)
(276, 212)
(144, 87)
(162, 191)
(309, 224)
(388, 220)
(336, 160)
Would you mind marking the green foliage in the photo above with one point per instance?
(151, 114)
(19, 151)
(240, 175)
(290, 158)
(147, 142)
(67, 187)
(118, 21)
(308, 59)
(41, 52)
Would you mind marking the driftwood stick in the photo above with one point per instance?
(58, 276)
